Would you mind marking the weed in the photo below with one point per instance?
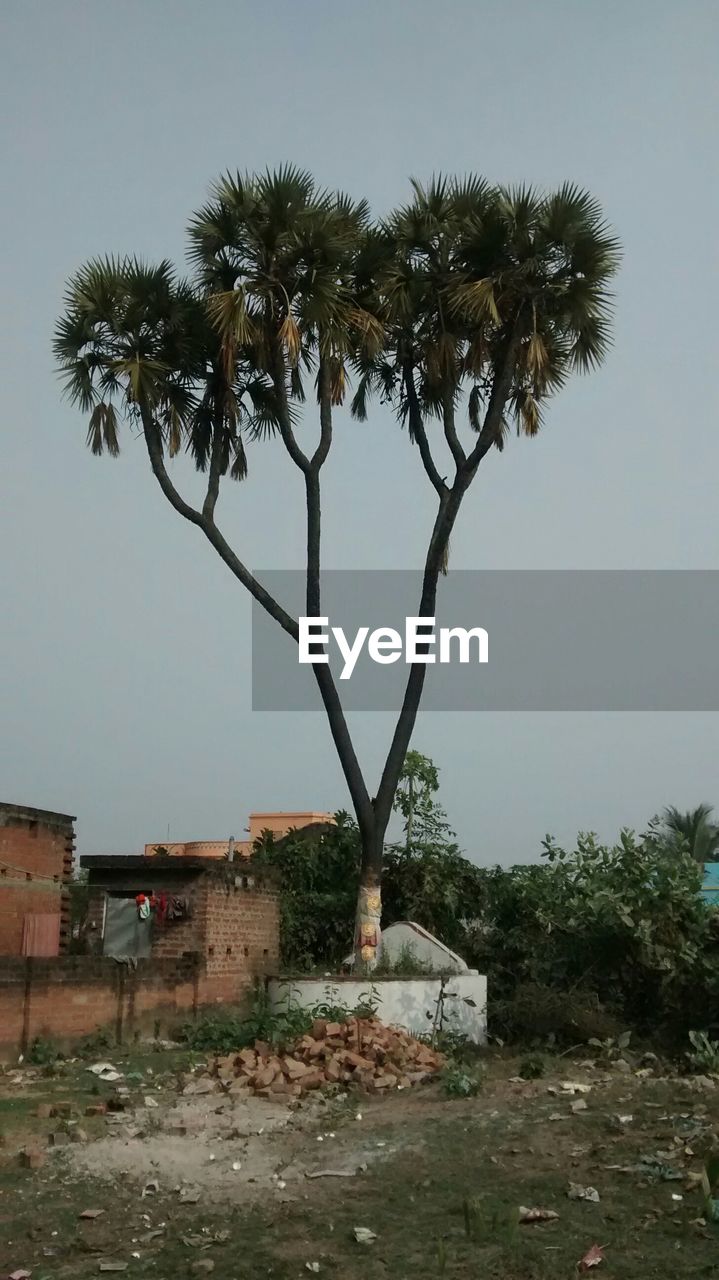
(484, 1223)
(368, 1004)
(533, 1066)
(706, 1052)
(462, 1082)
(612, 1047)
(97, 1042)
(42, 1052)
(406, 964)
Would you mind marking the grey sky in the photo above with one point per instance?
(124, 645)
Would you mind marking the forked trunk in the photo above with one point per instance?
(369, 903)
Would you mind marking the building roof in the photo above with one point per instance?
(28, 814)
(152, 863)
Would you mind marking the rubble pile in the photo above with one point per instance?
(359, 1051)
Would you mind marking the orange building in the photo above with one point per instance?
(278, 823)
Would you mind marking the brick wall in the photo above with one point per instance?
(213, 958)
(242, 928)
(36, 857)
(68, 997)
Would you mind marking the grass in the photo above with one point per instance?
(443, 1200)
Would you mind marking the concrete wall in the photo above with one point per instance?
(403, 1002)
(425, 948)
(36, 855)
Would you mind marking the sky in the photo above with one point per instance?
(124, 643)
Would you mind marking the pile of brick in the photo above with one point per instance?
(359, 1051)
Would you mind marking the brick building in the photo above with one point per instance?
(36, 859)
(217, 915)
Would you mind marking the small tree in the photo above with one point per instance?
(418, 783)
(465, 309)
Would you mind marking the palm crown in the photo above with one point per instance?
(428, 308)
(466, 275)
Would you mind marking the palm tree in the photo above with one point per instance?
(700, 836)
(465, 310)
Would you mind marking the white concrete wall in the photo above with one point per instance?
(427, 949)
(401, 1002)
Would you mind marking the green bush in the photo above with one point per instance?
(227, 1030)
(704, 1055)
(597, 940)
(42, 1052)
(533, 1066)
(462, 1081)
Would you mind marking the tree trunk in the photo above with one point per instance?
(369, 901)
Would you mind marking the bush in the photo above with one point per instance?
(42, 1052)
(533, 1067)
(704, 1056)
(227, 1030)
(100, 1041)
(599, 939)
(462, 1081)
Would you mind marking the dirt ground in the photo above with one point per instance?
(211, 1185)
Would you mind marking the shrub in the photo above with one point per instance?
(462, 1081)
(533, 1067)
(705, 1052)
(406, 964)
(97, 1042)
(227, 1030)
(42, 1052)
(598, 939)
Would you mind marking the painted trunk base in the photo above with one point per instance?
(367, 930)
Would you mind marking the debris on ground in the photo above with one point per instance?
(578, 1192)
(363, 1235)
(592, 1258)
(359, 1051)
(105, 1071)
(530, 1216)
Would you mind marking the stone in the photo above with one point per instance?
(319, 1028)
(97, 1109)
(196, 1088)
(333, 1071)
(333, 1030)
(32, 1159)
(44, 1111)
(239, 1086)
(79, 1135)
(313, 1080)
(356, 1061)
(203, 1267)
(266, 1075)
(62, 1110)
(59, 1138)
(294, 1069)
